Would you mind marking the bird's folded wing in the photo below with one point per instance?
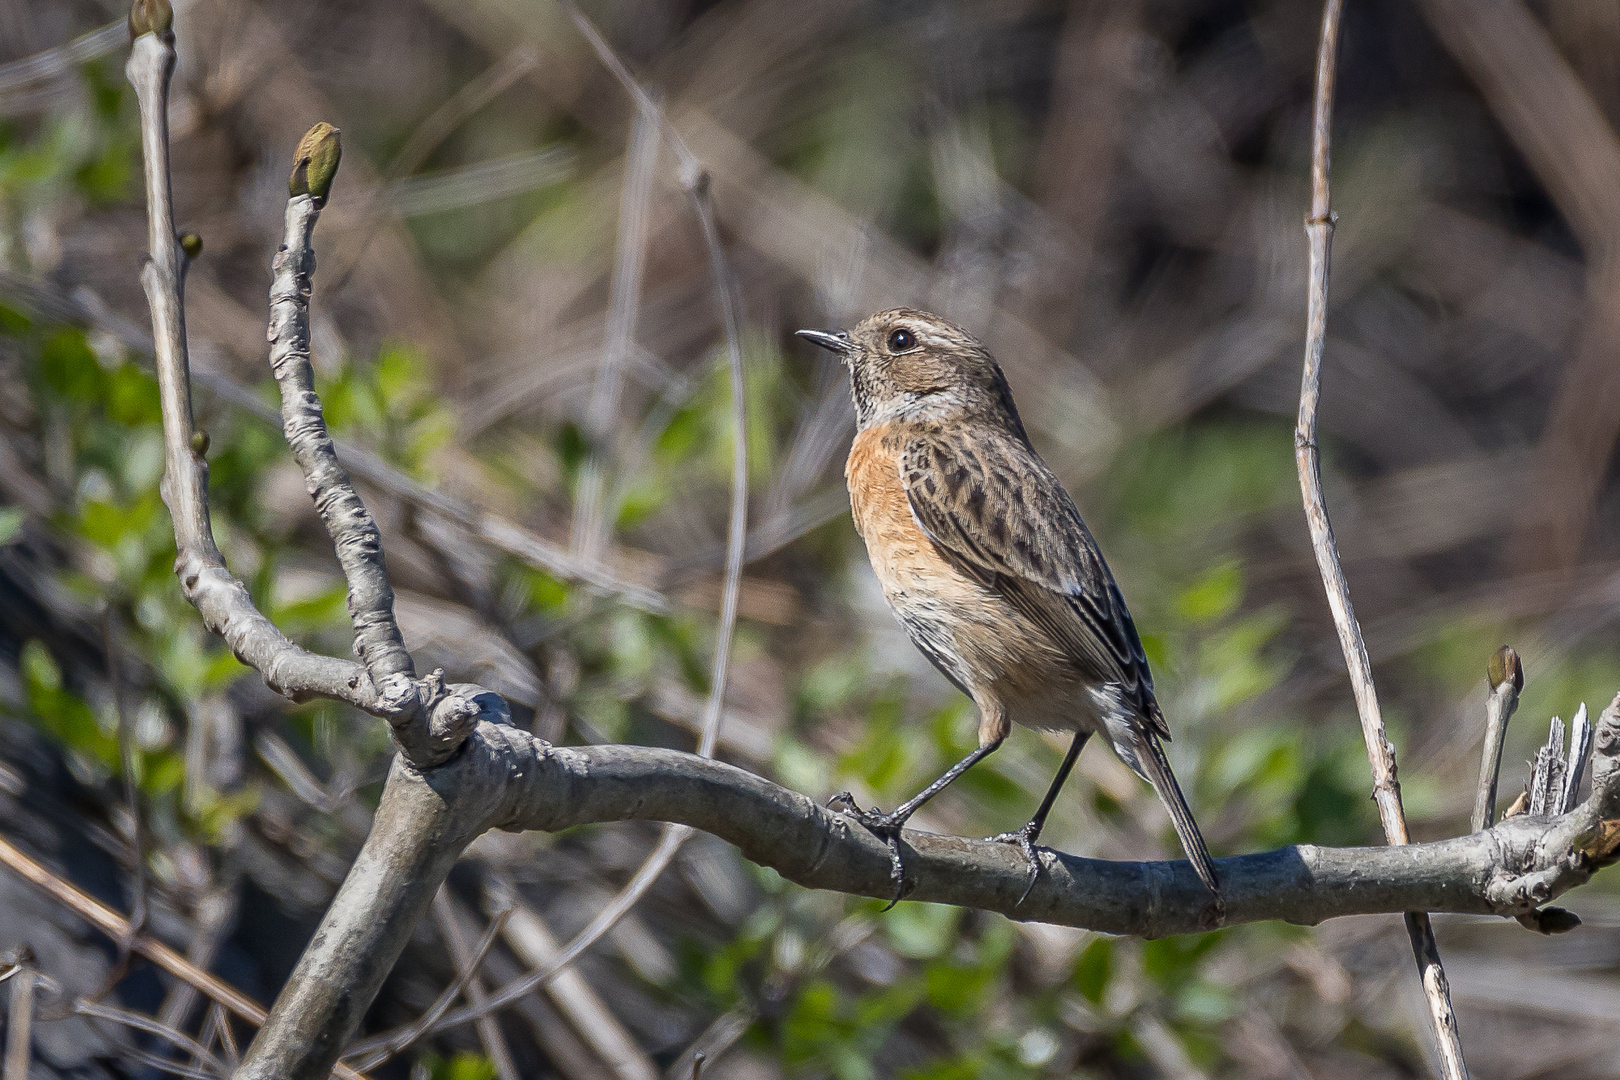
(992, 506)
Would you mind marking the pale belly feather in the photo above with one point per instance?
(984, 645)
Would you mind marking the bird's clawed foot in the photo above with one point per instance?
(1025, 839)
(885, 827)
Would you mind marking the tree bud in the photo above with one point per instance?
(150, 17)
(315, 162)
(1504, 667)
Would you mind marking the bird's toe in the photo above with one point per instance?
(1025, 839)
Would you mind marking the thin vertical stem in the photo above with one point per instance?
(132, 788)
(461, 950)
(1507, 679)
(19, 1027)
(592, 519)
(1307, 458)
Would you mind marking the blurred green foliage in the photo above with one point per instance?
(462, 1066)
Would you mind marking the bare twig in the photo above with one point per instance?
(467, 961)
(118, 928)
(218, 596)
(1507, 679)
(591, 521)
(132, 787)
(377, 640)
(227, 1037)
(688, 162)
(1307, 456)
(721, 1034)
(209, 1067)
(531, 940)
(426, 138)
(19, 1026)
(669, 843)
(215, 913)
(64, 58)
(737, 533)
(424, 1024)
(462, 104)
(129, 1019)
(1380, 754)
(479, 182)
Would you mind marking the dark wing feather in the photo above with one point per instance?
(993, 507)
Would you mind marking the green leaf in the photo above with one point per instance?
(69, 366)
(39, 668)
(921, 931)
(1213, 596)
(1172, 961)
(11, 523)
(463, 1065)
(1093, 969)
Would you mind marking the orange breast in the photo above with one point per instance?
(924, 589)
(877, 500)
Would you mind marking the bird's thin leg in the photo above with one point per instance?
(1025, 838)
(886, 827)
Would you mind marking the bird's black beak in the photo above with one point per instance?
(838, 343)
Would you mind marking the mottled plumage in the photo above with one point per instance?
(985, 560)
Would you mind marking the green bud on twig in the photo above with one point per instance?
(150, 17)
(1504, 667)
(315, 162)
(191, 244)
(199, 442)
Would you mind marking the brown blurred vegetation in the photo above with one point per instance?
(1110, 192)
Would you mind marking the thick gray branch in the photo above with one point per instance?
(505, 778)
(1519, 863)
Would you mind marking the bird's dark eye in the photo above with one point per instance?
(901, 340)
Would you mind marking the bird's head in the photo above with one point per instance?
(906, 364)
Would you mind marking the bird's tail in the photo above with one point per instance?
(1157, 768)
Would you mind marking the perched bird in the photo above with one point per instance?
(986, 563)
